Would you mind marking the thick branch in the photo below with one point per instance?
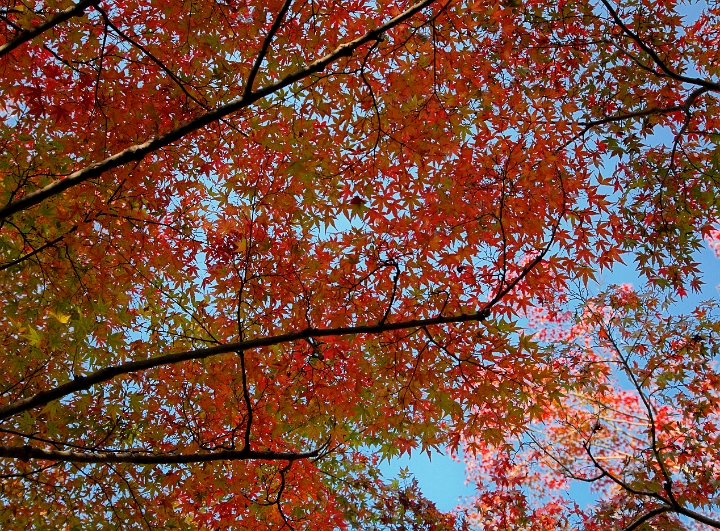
(140, 151)
(28, 452)
(103, 375)
(82, 383)
(647, 516)
(76, 11)
(697, 516)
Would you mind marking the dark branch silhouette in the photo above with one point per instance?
(82, 383)
(647, 516)
(77, 10)
(27, 452)
(709, 85)
(140, 151)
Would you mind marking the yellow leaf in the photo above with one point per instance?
(61, 317)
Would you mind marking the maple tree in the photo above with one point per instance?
(251, 248)
(636, 419)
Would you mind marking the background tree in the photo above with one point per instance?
(246, 244)
(637, 421)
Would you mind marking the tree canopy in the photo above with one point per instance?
(249, 249)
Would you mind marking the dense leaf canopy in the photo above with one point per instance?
(250, 248)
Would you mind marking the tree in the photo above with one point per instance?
(251, 248)
(637, 420)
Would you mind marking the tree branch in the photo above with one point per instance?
(76, 11)
(265, 47)
(654, 56)
(154, 59)
(620, 482)
(27, 452)
(697, 516)
(38, 250)
(685, 107)
(652, 428)
(647, 516)
(82, 383)
(140, 151)
(248, 402)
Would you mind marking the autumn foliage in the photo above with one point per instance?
(636, 421)
(249, 249)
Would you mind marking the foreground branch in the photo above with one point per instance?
(709, 85)
(82, 383)
(77, 10)
(647, 516)
(140, 151)
(27, 452)
(685, 107)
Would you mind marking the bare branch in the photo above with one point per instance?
(685, 107)
(620, 482)
(154, 59)
(396, 278)
(265, 47)
(103, 375)
(40, 249)
(625, 363)
(697, 516)
(248, 402)
(647, 516)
